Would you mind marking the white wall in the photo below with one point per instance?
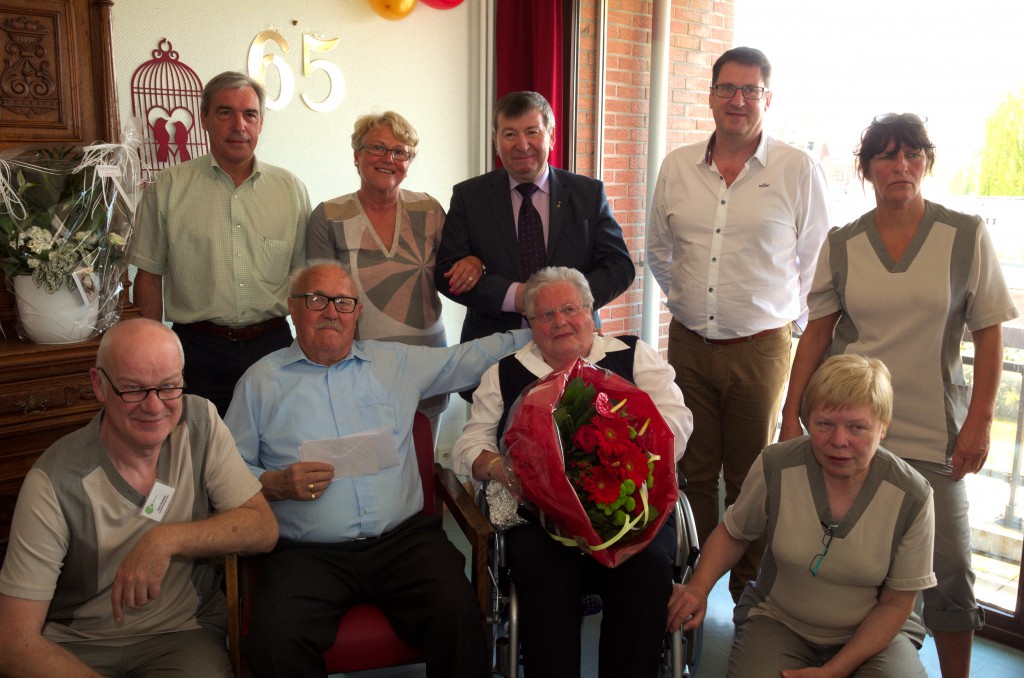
(428, 66)
(425, 66)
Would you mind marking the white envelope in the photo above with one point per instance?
(359, 454)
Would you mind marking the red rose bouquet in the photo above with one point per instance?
(591, 451)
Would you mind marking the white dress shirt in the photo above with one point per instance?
(736, 260)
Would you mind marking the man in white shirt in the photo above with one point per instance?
(735, 228)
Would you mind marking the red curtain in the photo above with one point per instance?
(528, 46)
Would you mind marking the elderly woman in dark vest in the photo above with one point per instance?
(550, 578)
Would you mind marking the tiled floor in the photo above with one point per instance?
(990, 660)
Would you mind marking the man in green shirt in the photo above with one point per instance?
(216, 241)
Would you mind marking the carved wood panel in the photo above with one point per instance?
(56, 73)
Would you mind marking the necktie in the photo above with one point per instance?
(531, 232)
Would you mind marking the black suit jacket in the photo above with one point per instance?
(582, 234)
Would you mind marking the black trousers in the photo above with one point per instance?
(550, 581)
(213, 365)
(413, 573)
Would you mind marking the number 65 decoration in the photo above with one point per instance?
(258, 63)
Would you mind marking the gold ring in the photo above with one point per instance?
(313, 495)
(311, 488)
(470, 278)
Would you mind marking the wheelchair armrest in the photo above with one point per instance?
(473, 524)
(234, 612)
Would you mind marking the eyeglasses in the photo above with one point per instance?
(380, 150)
(315, 301)
(912, 118)
(140, 394)
(729, 91)
(826, 541)
(566, 311)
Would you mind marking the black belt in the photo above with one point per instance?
(737, 340)
(247, 333)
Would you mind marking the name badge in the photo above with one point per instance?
(157, 502)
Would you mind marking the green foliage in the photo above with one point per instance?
(1002, 163)
(575, 409)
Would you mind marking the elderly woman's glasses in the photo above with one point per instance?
(912, 118)
(566, 311)
(139, 394)
(380, 150)
(729, 91)
(826, 541)
(318, 302)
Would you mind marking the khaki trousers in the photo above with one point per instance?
(735, 394)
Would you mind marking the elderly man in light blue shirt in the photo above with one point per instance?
(359, 538)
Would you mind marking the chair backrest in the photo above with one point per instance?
(423, 441)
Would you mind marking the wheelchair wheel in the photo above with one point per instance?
(684, 648)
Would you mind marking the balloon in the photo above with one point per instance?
(393, 10)
(442, 4)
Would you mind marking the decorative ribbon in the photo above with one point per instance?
(12, 202)
(114, 163)
(641, 519)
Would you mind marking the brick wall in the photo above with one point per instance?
(700, 31)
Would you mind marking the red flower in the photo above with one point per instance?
(634, 465)
(587, 439)
(602, 485)
(602, 405)
(614, 437)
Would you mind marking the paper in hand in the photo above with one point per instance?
(359, 454)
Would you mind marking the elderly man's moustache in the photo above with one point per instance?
(325, 324)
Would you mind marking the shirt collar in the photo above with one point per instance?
(294, 354)
(532, 360)
(761, 152)
(541, 182)
(252, 176)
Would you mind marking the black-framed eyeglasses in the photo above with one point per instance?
(749, 91)
(565, 310)
(826, 541)
(140, 394)
(380, 150)
(912, 118)
(315, 301)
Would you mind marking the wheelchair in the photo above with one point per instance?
(680, 656)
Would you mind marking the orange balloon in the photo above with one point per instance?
(393, 10)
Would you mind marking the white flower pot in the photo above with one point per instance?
(58, 318)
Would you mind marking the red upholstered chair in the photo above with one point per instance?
(365, 639)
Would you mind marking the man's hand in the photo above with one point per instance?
(141, 574)
(302, 481)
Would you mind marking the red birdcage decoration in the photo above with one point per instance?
(166, 96)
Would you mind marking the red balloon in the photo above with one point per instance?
(442, 4)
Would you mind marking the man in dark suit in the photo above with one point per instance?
(506, 224)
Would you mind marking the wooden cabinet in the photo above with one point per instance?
(45, 393)
(56, 89)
